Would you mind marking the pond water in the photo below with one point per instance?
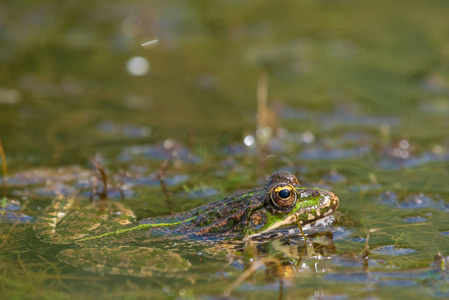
(358, 104)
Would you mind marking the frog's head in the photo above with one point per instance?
(283, 203)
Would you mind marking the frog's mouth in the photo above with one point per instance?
(311, 217)
(290, 230)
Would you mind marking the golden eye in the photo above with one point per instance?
(283, 196)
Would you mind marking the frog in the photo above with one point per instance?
(106, 237)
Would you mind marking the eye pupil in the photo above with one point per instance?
(283, 196)
(285, 193)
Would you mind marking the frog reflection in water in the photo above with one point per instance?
(104, 237)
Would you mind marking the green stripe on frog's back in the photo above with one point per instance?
(141, 227)
(224, 219)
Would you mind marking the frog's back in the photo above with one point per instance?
(223, 219)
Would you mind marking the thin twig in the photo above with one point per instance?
(254, 266)
(300, 228)
(104, 179)
(23, 266)
(94, 188)
(281, 289)
(48, 262)
(162, 176)
(366, 251)
(262, 121)
(262, 100)
(120, 185)
(7, 236)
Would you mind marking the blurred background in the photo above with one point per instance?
(75, 80)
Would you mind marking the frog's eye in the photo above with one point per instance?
(283, 196)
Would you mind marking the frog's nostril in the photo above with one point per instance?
(335, 201)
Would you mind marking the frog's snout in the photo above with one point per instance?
(330, 203)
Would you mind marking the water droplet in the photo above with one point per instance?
(403, 154)
(308, 137)
(249, 140)
(404, 144)
(138, 66)
(168, 144)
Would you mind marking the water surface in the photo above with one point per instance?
(359, 94)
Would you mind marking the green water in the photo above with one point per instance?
(360, 90)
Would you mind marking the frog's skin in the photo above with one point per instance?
(106, 233)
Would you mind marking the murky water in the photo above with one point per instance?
(359, 105)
